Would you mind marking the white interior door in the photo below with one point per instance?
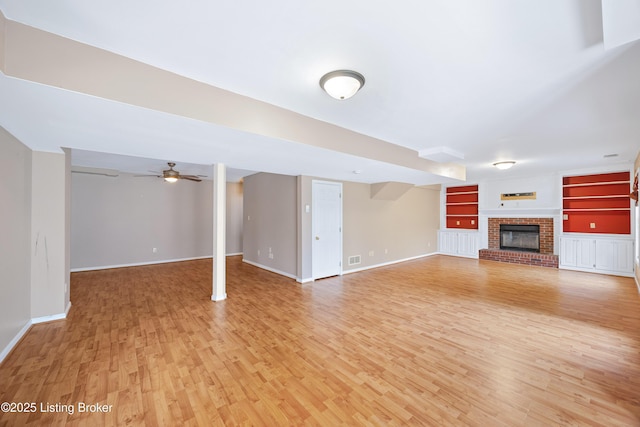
(327, 229)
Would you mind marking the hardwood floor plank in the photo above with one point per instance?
(438, 341)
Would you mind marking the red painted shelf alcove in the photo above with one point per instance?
(462, 207)
(597, 203)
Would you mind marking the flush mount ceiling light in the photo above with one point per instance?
(504, 165)
(342, 84)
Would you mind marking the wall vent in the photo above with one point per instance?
(353, 260)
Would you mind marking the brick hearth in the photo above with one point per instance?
(518, 257)
(545, 258)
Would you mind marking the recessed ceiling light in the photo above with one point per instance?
(504, 165)
(357, 171)
(342, 84)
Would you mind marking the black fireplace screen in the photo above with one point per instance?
(516, 237)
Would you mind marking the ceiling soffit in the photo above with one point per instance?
(38, 56)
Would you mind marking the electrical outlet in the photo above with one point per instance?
(592, 225)
(473, 222)
(370, 253)
(154, 250)
(258, 252)
(270, 255)
(386, 251)
(565, 217)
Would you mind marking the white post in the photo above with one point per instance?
(219, 292)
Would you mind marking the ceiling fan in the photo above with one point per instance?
(172, 175)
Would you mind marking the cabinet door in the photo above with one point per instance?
(605, 255)
(463, 243)
(585, 253)
(468, 244)
(568, 252)
(614, 255)
(448, 242)
(624, 256)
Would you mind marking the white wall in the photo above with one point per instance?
(118, 221)
(15, 232)
(548, 189)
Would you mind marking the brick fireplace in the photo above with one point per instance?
(545, 258)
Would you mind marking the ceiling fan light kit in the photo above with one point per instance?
(342, 84)
(171, 175)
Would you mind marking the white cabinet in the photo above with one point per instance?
(578, 253)
(597, 254)
(459, 243)
(614, 255)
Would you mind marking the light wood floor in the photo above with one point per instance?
(439, 341)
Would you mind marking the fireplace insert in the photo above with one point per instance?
(517, 237)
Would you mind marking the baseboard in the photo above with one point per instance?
(273, 270)
(588, 270)
(138, 264)
(476, 256)
(355, 270)
(636, 277)
(5, 352)
(307, 280)
(52, 317)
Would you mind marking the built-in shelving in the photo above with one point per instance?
(462, 207)
(597, 203)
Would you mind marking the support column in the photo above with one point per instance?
(219, 292)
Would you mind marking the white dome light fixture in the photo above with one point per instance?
(504, 165)
(342, 84)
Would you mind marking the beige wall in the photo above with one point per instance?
(49, 278)
(118, 221)
(270, 222)
(15, 231)
(406, 227)
(234, 218)
(389, 230)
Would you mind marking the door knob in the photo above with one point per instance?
(317, 238)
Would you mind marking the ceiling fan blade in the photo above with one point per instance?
(190, 178)
(156, 176)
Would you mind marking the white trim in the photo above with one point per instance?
(355, 270)
(594, 271)
(5, 352)
(137, 264)
(307, 280)
(521, 212)
(477, 256)
(273, 270)
(52, 317)
(234, 254)
(635, 277)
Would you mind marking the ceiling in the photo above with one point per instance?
(525, 80)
